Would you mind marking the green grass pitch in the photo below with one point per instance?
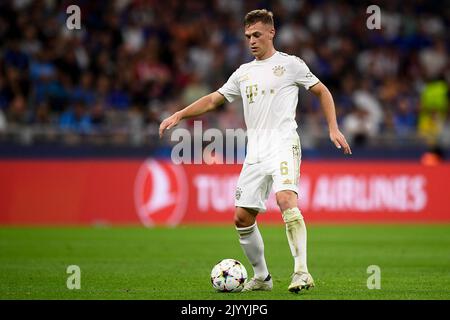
(175, 263)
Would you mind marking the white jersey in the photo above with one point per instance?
(269, 92)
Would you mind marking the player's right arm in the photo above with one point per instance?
(199, 107)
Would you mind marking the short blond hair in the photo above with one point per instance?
(260, 15)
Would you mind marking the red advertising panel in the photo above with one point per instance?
(154, 192)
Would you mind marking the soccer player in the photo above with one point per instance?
(269, 86)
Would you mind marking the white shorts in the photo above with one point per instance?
(256, 180)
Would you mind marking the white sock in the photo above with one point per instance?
(253, 246)
(296, 234)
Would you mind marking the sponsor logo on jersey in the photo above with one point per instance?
(160, 193)
(287, 181)
(251, 92)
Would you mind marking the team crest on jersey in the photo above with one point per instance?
(238, 193)
(278, 70)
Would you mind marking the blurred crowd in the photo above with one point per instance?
(134, 62)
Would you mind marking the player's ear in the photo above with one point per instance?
(272, 33)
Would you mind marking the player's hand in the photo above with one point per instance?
(169, 123)
(339, 141)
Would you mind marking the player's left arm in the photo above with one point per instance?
(327, 103)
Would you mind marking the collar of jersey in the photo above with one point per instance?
(266, 60)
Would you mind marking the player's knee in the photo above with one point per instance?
(244, 219)
(241, 222)
(286, 200)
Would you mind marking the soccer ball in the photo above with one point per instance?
(229, 275)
